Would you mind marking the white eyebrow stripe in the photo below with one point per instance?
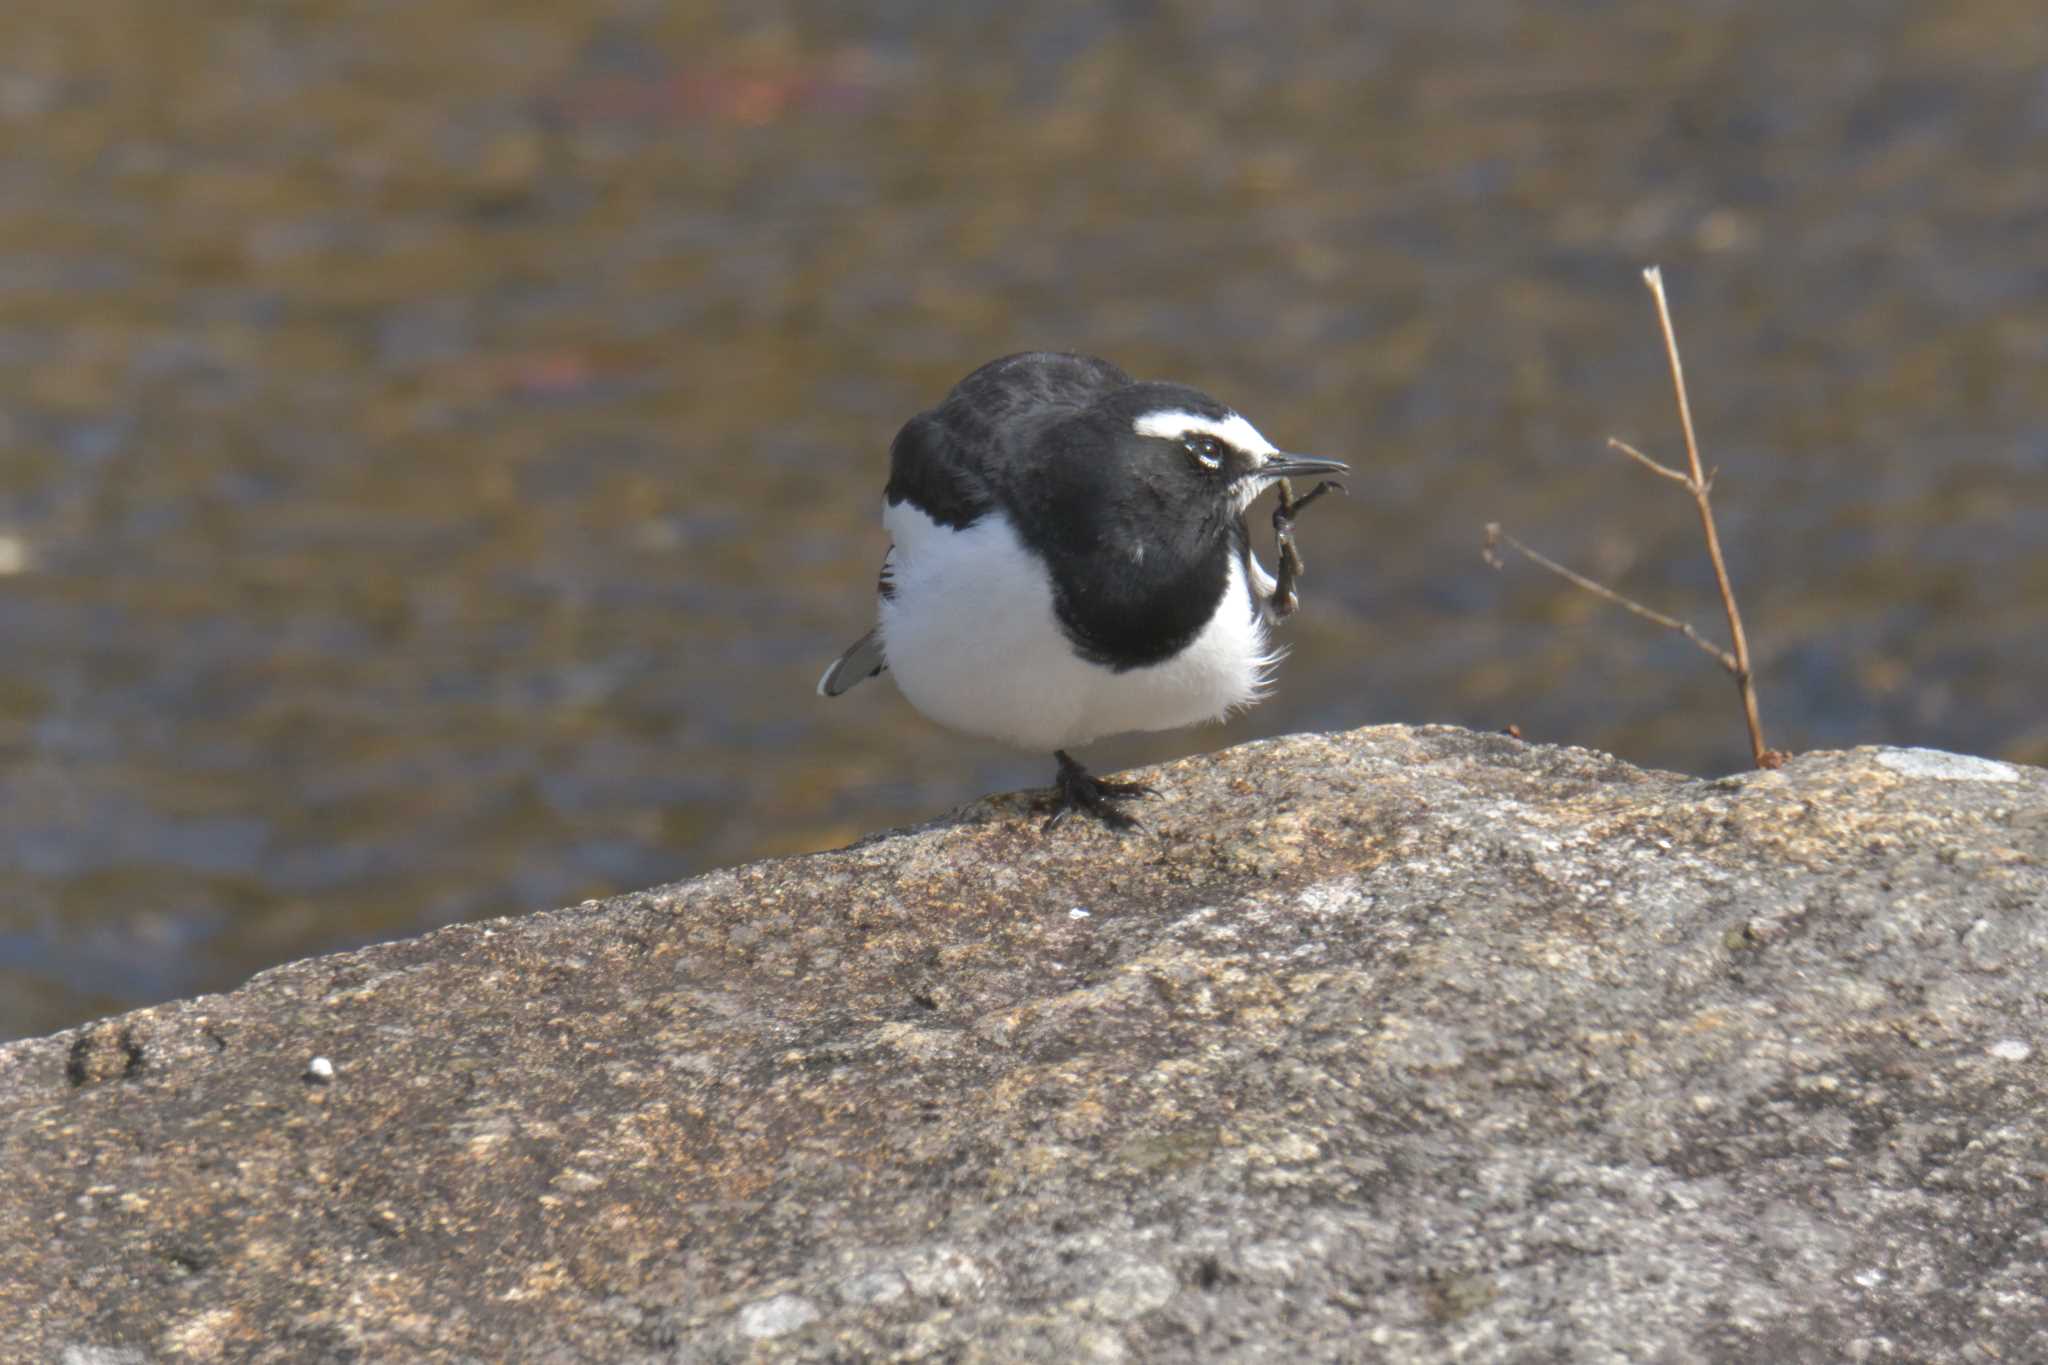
(1174, 423)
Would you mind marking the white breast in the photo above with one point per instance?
(972, 641)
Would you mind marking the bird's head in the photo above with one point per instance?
(1206, 448)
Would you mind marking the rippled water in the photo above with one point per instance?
(439, 445)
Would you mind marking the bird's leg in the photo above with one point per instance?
(1097, 796)
(1283, 601)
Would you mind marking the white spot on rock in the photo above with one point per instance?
(945, 1274)
(1946, 767)
(102, 1355)
(877, 1286)
(1077, 913)
(1132, 1289)
(776, 1317)
(2010, 1050)
(1101, 1346)
(320, 1070)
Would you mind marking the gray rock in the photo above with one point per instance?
(1395, 1045)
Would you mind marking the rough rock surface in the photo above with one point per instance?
(1394, 1045)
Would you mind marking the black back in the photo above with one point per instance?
(952, 460)
(1135, 535)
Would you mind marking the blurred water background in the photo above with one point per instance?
(441, 444)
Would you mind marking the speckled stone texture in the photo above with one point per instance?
(1405, 1044)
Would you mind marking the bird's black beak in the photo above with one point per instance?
(1298, 466)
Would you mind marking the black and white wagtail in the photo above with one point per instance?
(1071, 560)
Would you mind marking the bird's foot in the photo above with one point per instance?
(1097, 796)
(1284, 601)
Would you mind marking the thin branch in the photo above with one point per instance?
(1700, 487)
(1700, 484)
(1496, 536)
(1655, 467)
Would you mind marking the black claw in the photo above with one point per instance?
(1095, 795)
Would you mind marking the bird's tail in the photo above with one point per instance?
(862, 660)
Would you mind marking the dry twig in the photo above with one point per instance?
(1700, 483)
(1495, 536)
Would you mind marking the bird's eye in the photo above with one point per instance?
(1206, 451)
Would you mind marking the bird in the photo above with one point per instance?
(1070, 559)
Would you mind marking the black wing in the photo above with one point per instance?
(950, 461)
(926, 470)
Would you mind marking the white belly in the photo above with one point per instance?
(972, 641)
